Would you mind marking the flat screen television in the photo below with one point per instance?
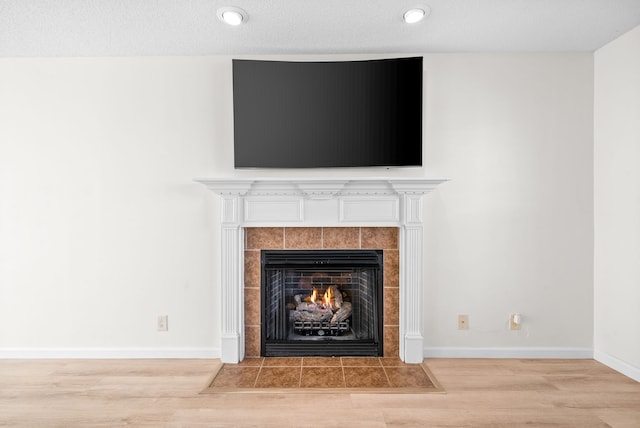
(294, 114)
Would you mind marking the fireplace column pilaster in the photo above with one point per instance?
(232, 280)
(411, 276)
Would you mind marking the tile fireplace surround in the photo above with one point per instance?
(320, 213)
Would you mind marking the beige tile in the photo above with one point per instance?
(279, 377)
(382, 238)
(391, 268)
(321, 362)
(252, 306)
(252, 268)
(303, 237)
(252, 341)
(322, 377)
(361, 362)
(391, 306)
(365, 377)
(282, 362)
(391, 338)
(264, 238)
(341, 237)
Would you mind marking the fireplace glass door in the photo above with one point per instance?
(321, 303)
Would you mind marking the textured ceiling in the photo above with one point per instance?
(44, 28)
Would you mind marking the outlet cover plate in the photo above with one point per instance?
(163, 323)
(463, 322)
(513, 325)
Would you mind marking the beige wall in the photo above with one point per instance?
(617, 203)
(103, 229)
(513, 230)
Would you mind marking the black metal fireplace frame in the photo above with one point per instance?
(312, 260)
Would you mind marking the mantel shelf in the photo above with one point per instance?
(320, 187)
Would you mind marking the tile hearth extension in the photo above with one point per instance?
(322, 372)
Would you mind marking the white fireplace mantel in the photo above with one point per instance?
(322, 202)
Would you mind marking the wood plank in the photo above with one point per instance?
(497, 393)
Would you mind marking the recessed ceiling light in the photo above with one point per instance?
(415, 15)
(232, 15)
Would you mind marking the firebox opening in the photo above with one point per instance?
(321, 303)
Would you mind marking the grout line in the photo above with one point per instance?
(255, 382)
(300, 377)
(384, 370)
(284, 238)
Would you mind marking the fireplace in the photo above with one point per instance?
(329, 203)
(322, 303)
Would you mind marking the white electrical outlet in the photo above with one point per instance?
(515, 320)
(463, 322)
(163, 323)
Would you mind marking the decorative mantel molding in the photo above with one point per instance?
(302, 202)
(320, 187)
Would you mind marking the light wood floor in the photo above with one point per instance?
(165, 393)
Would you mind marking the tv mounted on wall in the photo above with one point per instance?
(290, 114)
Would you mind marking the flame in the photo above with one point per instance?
(314, 296)
(326, 299)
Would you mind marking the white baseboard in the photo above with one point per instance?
(534, 352)
(107, 353)
(617, 365)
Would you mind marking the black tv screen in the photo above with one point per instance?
(291, 114)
